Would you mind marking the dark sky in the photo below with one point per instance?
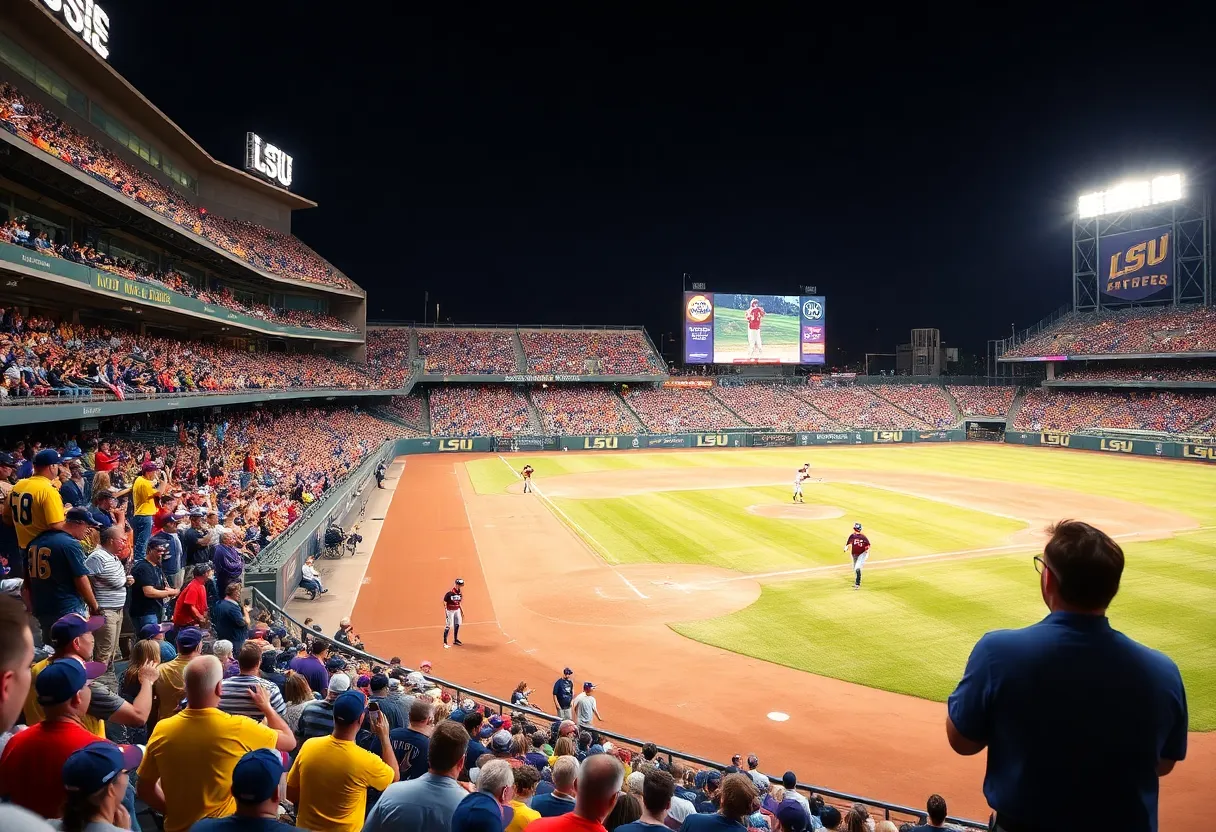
(567, 164)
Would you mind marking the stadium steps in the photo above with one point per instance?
(389, 416)
(901, 409)
(413, 345)
(633, 413)
(954, 408)
(425, 427)
(521, 358)
(832, 420)
(534, 421)
(1015, 407)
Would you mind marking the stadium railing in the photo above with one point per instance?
(459, 691)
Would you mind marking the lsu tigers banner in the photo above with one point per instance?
(1135, 265)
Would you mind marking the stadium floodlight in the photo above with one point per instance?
(1130, 195)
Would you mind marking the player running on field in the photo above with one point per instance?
(527, 473)
(754, 317)
(800, 476)
(858, 545)
(454, 617)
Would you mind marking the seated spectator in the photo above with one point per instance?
(936, 814)
(1094, 677)
(235, 695)
(562, 799)
(255, 788)
(738, 796)
(186, 773)
(426, 804)
(317, 717)
(526, 780)
(599, 780)
(155, 633)
(95, 780)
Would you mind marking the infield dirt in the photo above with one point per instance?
(538, 598)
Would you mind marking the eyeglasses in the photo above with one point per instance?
(1040, 565)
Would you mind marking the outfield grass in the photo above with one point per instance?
(910, 630)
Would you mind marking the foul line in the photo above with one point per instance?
(610, 559)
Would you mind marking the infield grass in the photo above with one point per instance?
(913, 625)
(730, 330)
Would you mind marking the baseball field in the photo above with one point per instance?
(953, 529)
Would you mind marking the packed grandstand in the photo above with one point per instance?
(252, 443)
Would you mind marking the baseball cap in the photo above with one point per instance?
(379, 681)
(394, 683)
(149, 466)
(567, 672)
(255, 779)
(478, 812)
(792, 816)
(74, 625)
(335, 663)
(713, 778)
(339, 683)
(7, 461)
(349, 707)
(90, 769)
(103, 493)
(460, 582)
(189, 638)
(485, 732)
(500, 743)
(588, 685)
(45, 457)
(496, 721)
(364, 681)
(198, 511)
(81, 515)
(60, 681)
(415, 679)
(425, 663)
(857, 527)
(154, 630)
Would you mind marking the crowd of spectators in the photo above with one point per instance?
(479, 410)
(589, 352)
(576, 409)
(676, 409)
(1151, 410)
(409, 409)
(982, 401)
(777, 406)
(857, 407)
(1120, 371)
(260, 247)
(463, 351)
(16, 232)
(42, 357)
(1126, 331)
(928, 402)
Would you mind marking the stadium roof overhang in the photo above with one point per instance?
(33, 17)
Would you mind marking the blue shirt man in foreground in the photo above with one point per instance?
(1079, 720)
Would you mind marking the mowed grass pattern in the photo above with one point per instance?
(713, 527)
(912, 627)
(730, 329)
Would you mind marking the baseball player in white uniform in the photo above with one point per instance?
(453, 616)
(800, 476)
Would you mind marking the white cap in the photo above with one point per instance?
(339, 683)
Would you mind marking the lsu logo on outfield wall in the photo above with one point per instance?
(601, 443)
(1206, 453)
(455, 444)
(712, 440)
(1055, 440)
(888, 436)
(1120, 446)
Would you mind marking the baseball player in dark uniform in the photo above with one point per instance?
(451, 606)
(858, 545)
(527, 472)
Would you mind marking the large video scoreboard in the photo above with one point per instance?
(726, 328)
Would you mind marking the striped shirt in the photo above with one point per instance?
(316, 720)
(235, 698)
(109, 579)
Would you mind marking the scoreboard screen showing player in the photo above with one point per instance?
(725, 328)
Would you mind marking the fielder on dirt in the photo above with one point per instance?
(453, 616)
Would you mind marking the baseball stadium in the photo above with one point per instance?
(740, 554)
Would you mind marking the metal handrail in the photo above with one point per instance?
(504, 706)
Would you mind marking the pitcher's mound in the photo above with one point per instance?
(798, 511)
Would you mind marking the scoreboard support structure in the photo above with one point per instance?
(1190, 222)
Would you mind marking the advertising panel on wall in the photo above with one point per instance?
(732, 328)
(1136, 265)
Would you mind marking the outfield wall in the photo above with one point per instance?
(1114, 445)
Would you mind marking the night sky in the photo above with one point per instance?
(568, 164)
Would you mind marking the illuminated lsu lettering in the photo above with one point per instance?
(712, 440)
(1147, 254)
(87, 19)
(455, 444)
(1055, 440)
(888, 436)
(1204, 452)
(601, 443)
(266, 159)
(1122, 446)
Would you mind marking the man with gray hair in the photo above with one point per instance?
(110, 581)
(561, 800)
(600, 778)
(497, 779)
